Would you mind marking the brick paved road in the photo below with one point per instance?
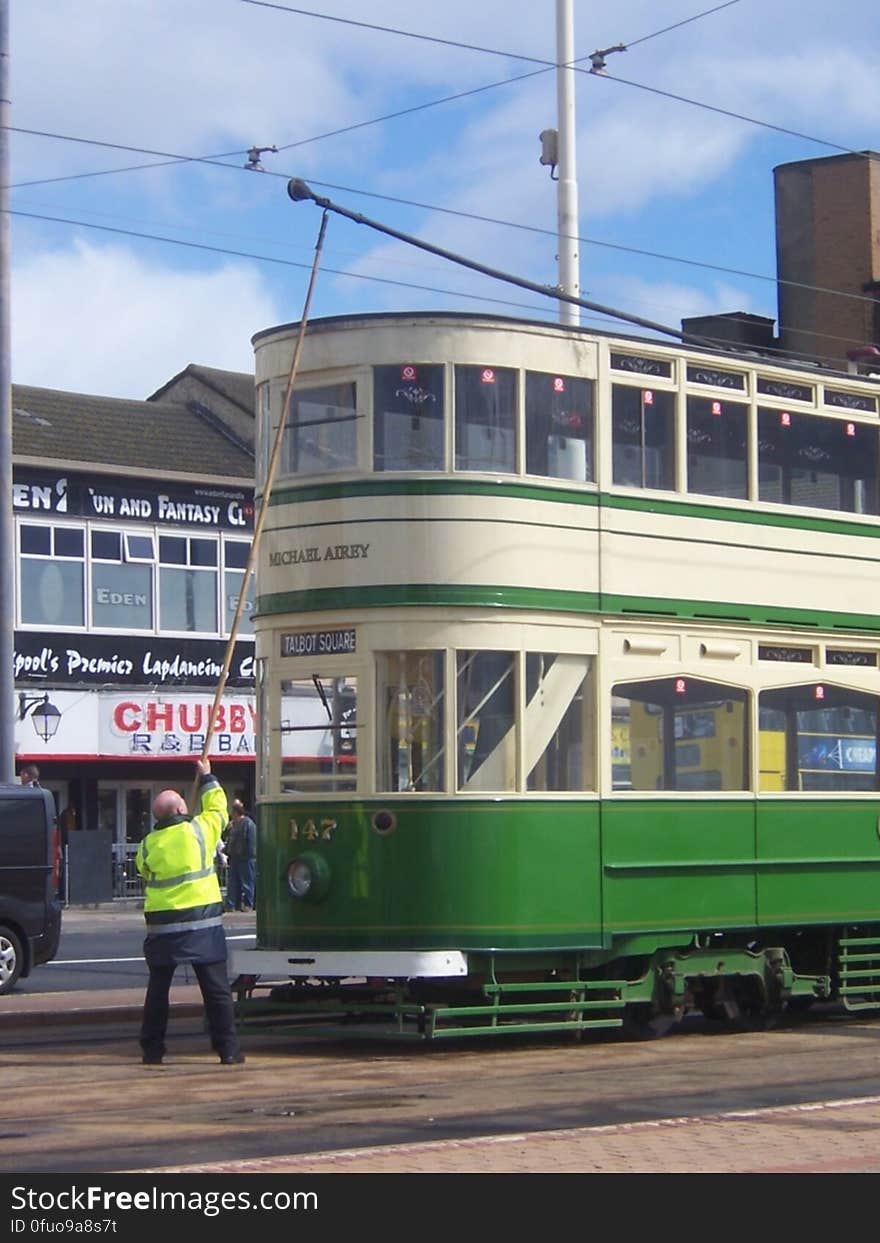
(826, 1136)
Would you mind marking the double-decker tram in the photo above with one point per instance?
(568, 680)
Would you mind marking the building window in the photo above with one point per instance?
(679, 734)
(817, 737)
(716, 447)
(235, 558)
(412, 715)
(643, 451)
(804, 459)
(408, 417)
(485, 419)
(52, 569)
(188, 584)
(559, 426)
(122, 580)
(321, 435)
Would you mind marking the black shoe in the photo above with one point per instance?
(232, 1059)
(152, 1059)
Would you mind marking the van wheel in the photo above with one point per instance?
(11, 959)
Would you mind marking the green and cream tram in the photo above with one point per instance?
(568, 680)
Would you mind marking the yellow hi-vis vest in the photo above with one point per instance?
(177, 862)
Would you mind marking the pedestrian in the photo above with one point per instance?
(29, 775)
(183, 909)
(241, 851)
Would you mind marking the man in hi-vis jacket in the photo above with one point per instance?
(183, 910)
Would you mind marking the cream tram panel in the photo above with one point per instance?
(447, 540)
(651, 555)
(329, 346)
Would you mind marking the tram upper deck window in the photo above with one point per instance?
(318, 728)
(817, 737)
(411, 728)
(485, 419)
(408, 417)
(824, 463)
(321, 434)
(559, 426)
(642, 430)
(716, 447)
(679, 734)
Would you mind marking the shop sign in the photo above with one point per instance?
(170, 726)
(109, 496)
(128, 660)
(142, 726)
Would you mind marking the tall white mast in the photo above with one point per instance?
(567, 201)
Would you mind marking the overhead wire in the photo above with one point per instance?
(220, 158)
(717, 342)
(459, 213)
(575, 65)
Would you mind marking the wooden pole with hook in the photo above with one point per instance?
(264, 501)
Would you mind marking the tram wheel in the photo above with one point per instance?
(642, 1022)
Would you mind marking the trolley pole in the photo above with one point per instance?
(7, 528)
(263, 507)
(567, 191)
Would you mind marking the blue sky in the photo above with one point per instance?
(104, 312)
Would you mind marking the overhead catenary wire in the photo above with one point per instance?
(546, 67)
(465, 215)
(575, 65)
(610, 316)
(468, 47)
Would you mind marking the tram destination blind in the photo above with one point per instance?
(318, 642)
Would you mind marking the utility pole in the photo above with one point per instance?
(567, 190)
(7, 527)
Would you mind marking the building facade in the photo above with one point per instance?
(134, 522)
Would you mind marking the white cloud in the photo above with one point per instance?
(102, 320)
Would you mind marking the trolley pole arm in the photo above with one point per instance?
(264, 501)
(299, 191)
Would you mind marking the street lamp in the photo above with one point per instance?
(45, 716)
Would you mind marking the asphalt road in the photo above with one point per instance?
(79, 1082)
(83, 1102)
(102, 949)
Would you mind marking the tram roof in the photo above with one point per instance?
(749, 356)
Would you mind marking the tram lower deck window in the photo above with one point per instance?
(679, 734)
(318, 727)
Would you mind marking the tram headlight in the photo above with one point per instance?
(308, 877)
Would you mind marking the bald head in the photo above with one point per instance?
(167, 804)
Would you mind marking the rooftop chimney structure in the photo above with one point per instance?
(827, 244)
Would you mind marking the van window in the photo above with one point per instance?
(22, 832)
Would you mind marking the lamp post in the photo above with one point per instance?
(45, 716)
(567, 187)
(7, 529)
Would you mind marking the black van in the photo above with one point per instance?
(30, 910)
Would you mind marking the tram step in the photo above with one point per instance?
(859, 985)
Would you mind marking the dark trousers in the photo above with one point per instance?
(219, 1009)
